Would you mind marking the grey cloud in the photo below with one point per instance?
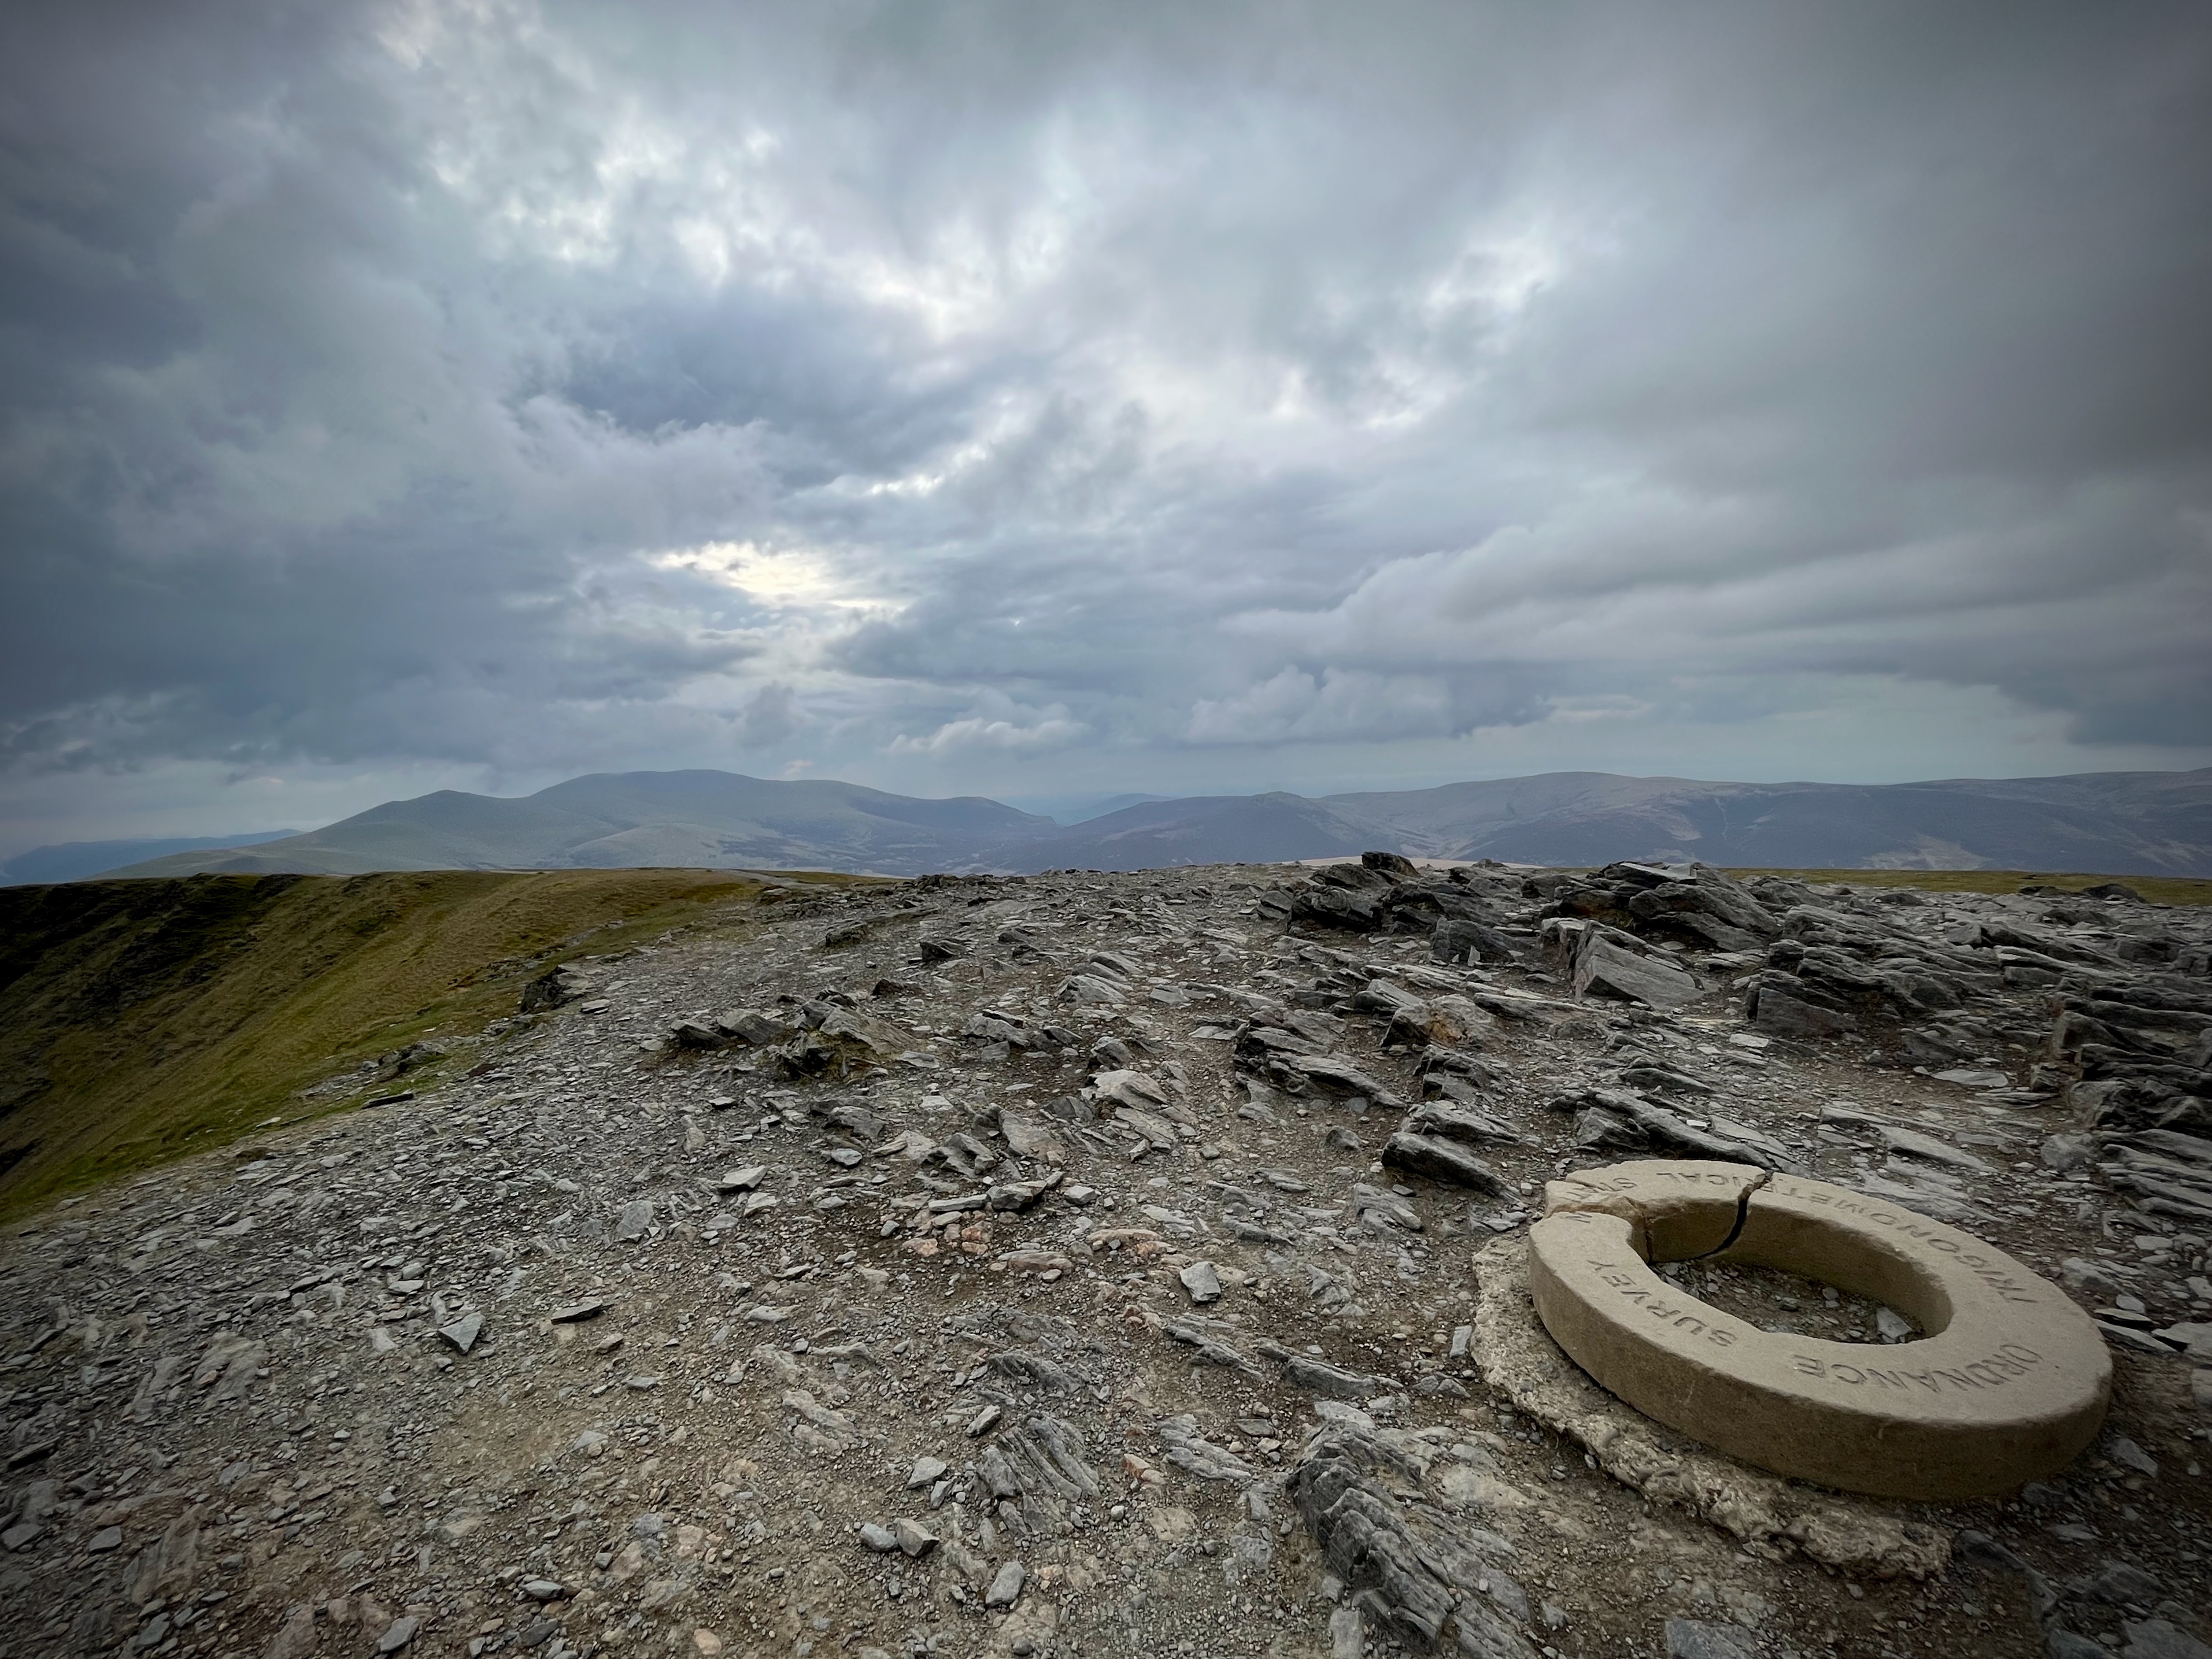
(1131, 380)
(1300, 705)
(769, 717)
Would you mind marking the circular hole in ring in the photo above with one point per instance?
(1775, 1299)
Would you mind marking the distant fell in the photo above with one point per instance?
(2115, 822)
(629, 820)
(73, 861)
(2142, 822)
(1201, 830)
(2118, 822)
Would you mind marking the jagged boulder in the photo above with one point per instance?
(1360, 1494)
(1815, 990)
(1709, 906)
(1780, 1004)
(1444, 1160)
(1611, 965)
(1456, 940)
(1617, 1119)
(754, 1028)
(1330, 904)
(562, 983)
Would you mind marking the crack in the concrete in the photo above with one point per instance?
(1742, 1215)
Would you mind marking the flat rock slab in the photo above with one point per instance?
(1771, 1517)
(1202, 1282)
(2010, 1383)
(1444, 1160)
(1606, 970)
(1007, 1585)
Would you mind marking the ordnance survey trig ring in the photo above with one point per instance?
(2010, 1382)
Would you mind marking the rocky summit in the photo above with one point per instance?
(1121, 1264)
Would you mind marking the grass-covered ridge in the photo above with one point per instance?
(143, 1019)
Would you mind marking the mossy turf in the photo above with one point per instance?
(2159, 889)
(143, 1019)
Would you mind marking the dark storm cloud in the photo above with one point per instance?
(547, 386)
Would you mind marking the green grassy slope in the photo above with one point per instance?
(141, 1019)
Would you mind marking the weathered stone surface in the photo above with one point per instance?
(1771, 1517)
(2161, 1638)
(1455, 1120)
(750, 1025)
(938, 1241)
(861, 1035)
(1189, 1448)
(1698, 1638)
(1005, 1587)
(564, 983)
(1125, 1087)
(1785, 1005)
(1710, 906)
(1359, 1496)
(1318, 1377)
(1617, 1118)
(1460, 941)
(1603, 968)
(1336, 1075)
(2011, 1383)
(1444, 1160)
(1202, 1282)
(1338, 907)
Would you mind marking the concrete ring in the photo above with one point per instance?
(2010, 1383)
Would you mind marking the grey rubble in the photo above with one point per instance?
(1024, 1266)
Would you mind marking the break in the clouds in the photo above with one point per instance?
(972, 396)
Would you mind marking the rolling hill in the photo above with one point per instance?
(2141, 822)
(2112, 823)
(628, 820)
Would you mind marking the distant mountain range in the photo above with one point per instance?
(617, 820)
(2109, 823)
(73, 861)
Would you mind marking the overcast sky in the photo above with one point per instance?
(1032, 398)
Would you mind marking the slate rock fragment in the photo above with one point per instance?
(1603, 968)
(1187, 1449)
(1202, 1282)
(1698, 1638)
(1444, 1160)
